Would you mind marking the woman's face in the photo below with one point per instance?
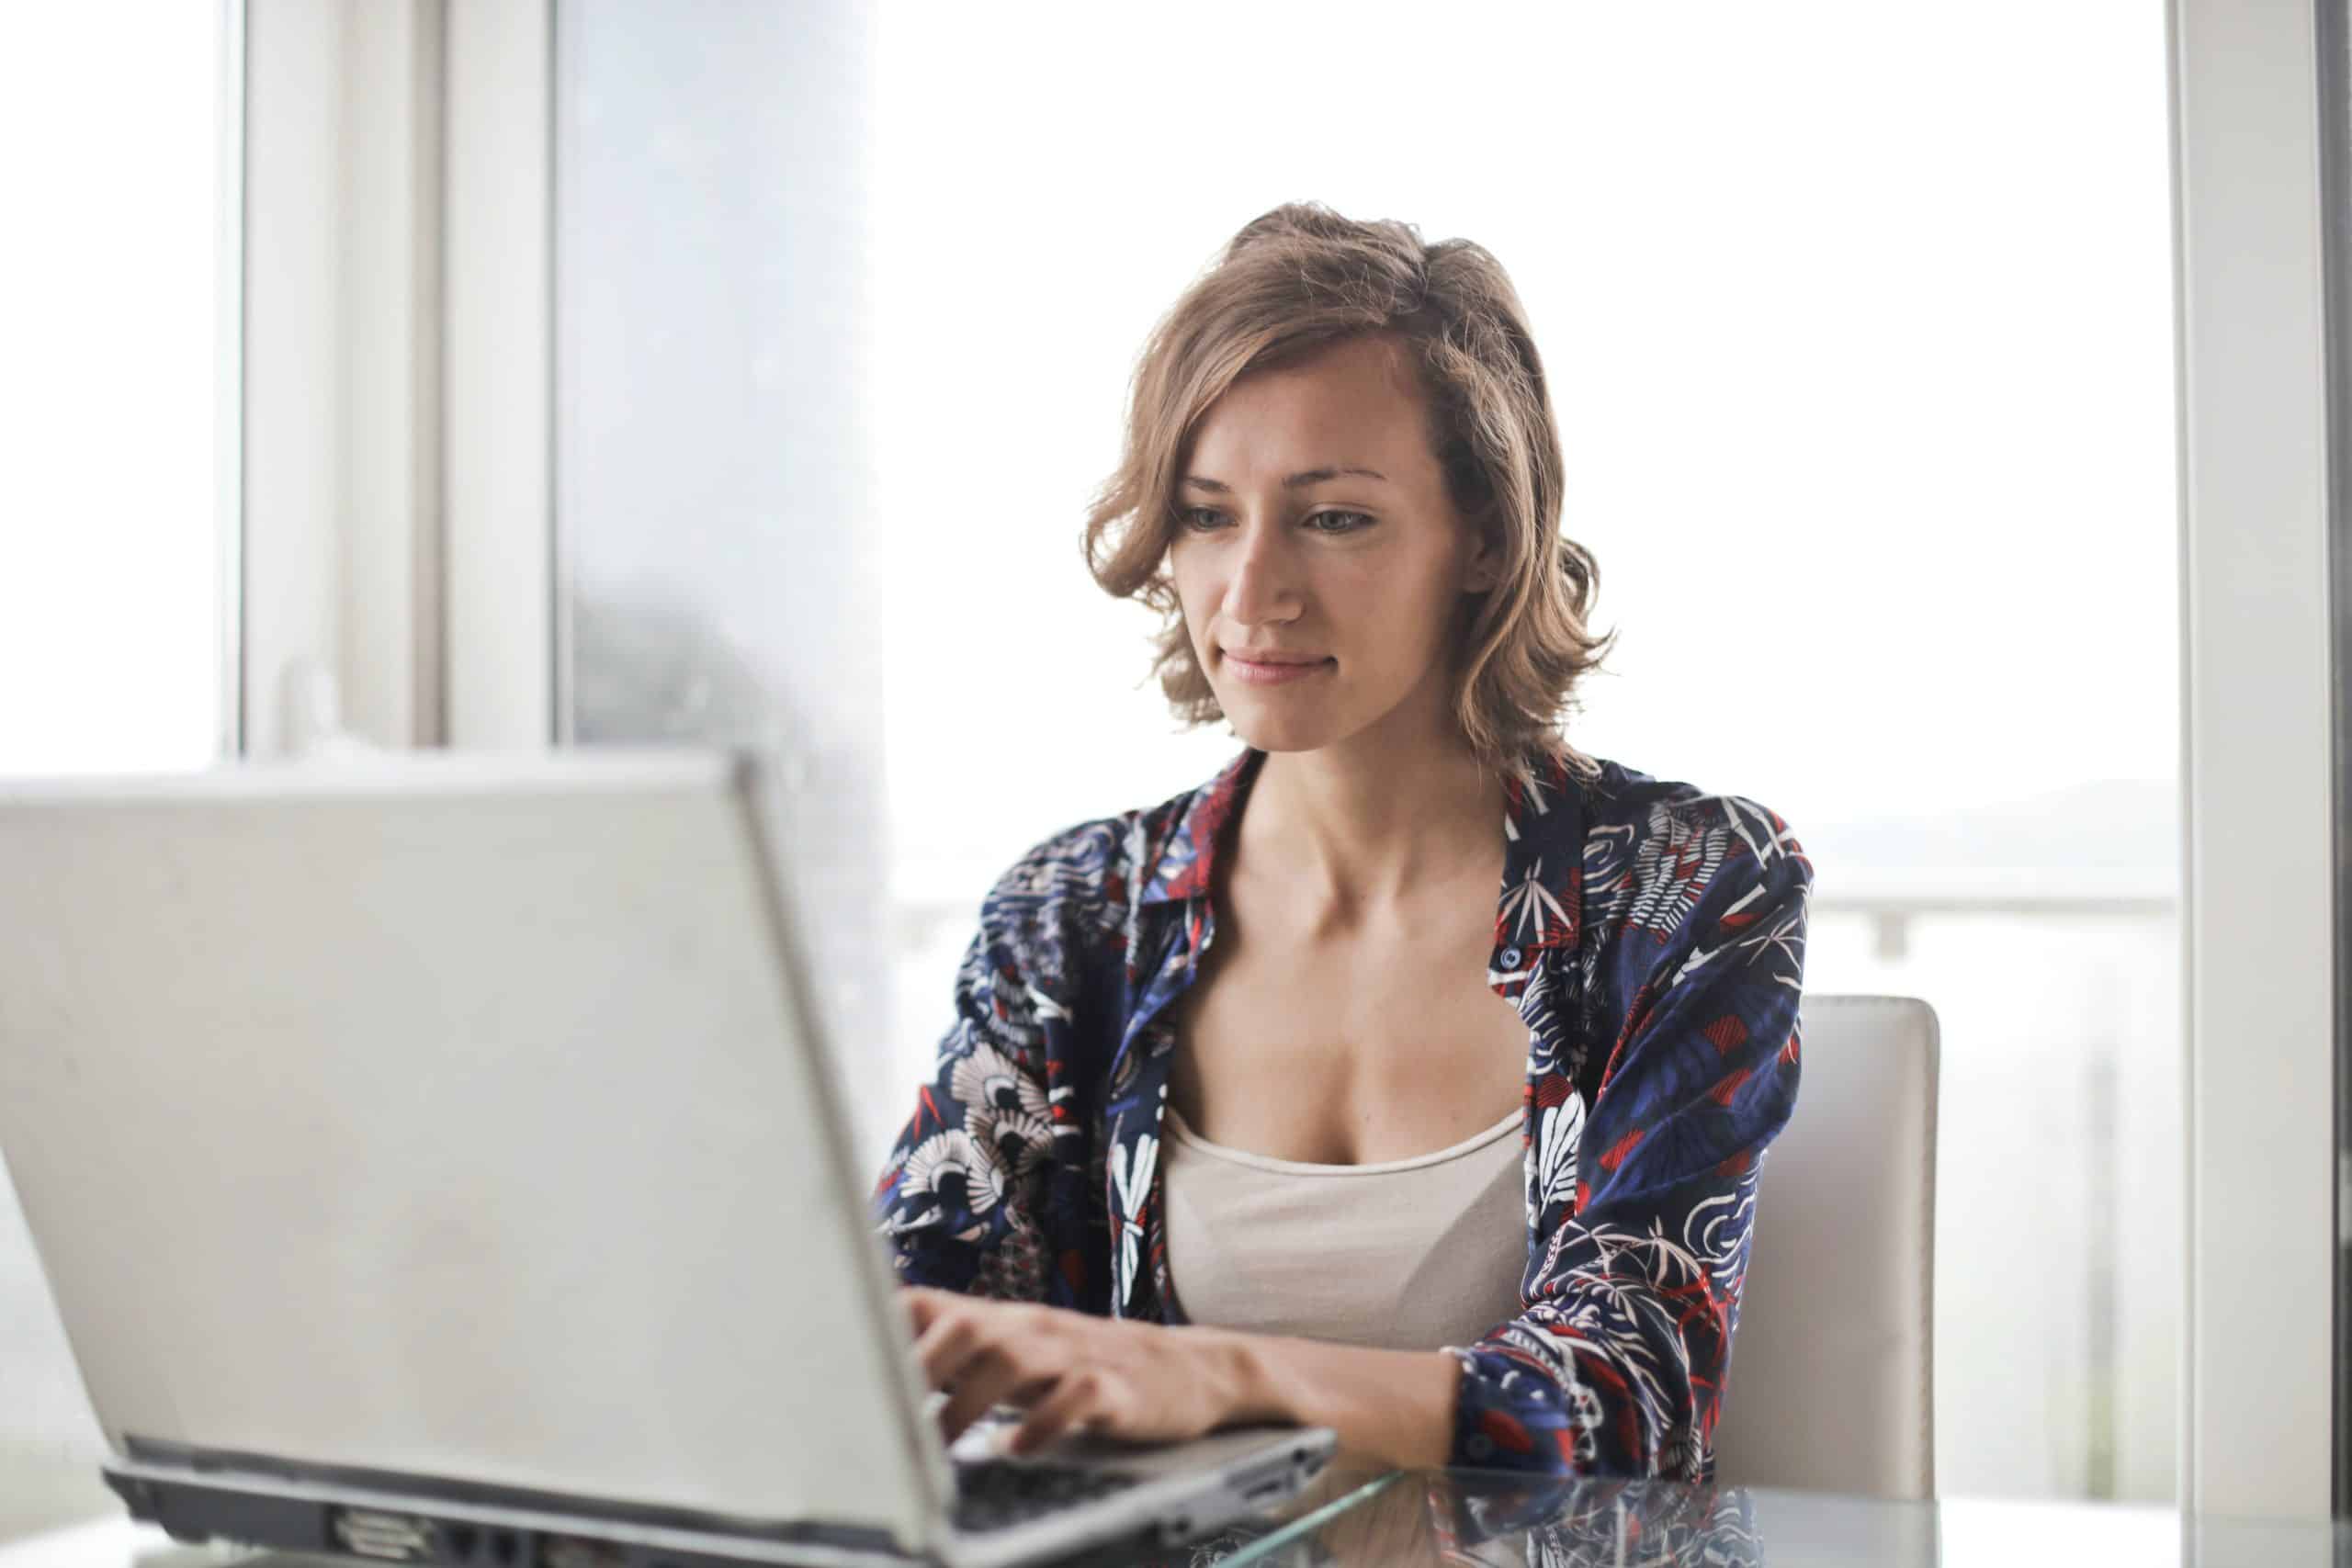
(1318, 561)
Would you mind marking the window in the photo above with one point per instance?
(114, 603)
(1866, 388)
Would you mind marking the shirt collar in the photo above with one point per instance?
(1184, 866)
(1541, 896)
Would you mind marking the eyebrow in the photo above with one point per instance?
(1299, 480)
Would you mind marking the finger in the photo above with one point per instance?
(923, 1304)
(949, 1346)
(992, 1378)
(1077, 1401)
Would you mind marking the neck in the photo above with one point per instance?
(1354, 825)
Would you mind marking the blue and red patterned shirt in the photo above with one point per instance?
(1651, 935)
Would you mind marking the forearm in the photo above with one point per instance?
(1394, 1406)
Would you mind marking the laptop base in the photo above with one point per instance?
(286, 1514)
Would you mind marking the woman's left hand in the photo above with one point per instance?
(1141, 1382)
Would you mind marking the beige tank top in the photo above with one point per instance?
(1402, 1254)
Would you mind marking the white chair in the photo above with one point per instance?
(1831, 1386)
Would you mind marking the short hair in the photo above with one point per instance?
(1302, 276)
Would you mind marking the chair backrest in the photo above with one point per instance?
(1831, 1387)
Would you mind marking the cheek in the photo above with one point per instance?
(1195, 596)
(1408, 614)
(1400, 597)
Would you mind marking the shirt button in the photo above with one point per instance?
(1512, 956)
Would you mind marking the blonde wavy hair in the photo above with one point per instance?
(1299, 278)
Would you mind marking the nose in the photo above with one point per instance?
(1263, 589)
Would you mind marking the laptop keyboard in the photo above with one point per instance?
(992, 1495)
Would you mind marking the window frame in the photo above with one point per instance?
(2251, 354)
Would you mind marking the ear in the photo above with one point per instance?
(1485, 568)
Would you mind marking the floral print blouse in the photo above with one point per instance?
(1651, 935)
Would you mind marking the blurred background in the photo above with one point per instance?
(1858, 318)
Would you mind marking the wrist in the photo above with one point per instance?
(1247, 1376)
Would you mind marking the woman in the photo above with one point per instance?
(1221, 1131)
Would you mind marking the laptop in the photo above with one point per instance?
(436, 1158)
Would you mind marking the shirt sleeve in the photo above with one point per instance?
(1617, 1363)
(979, 1192)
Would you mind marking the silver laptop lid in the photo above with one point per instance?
(454, 1116)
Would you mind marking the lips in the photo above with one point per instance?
(1268, 670)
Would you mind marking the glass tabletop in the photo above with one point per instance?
(1359, 1518)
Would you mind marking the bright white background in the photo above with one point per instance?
(109, 617)
(1857, 318)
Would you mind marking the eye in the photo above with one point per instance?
(1337, 522)
(1199, 519)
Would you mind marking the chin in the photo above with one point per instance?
(1263, 731)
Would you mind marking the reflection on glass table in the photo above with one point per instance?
(1353, 1515)
(1468, 1519)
